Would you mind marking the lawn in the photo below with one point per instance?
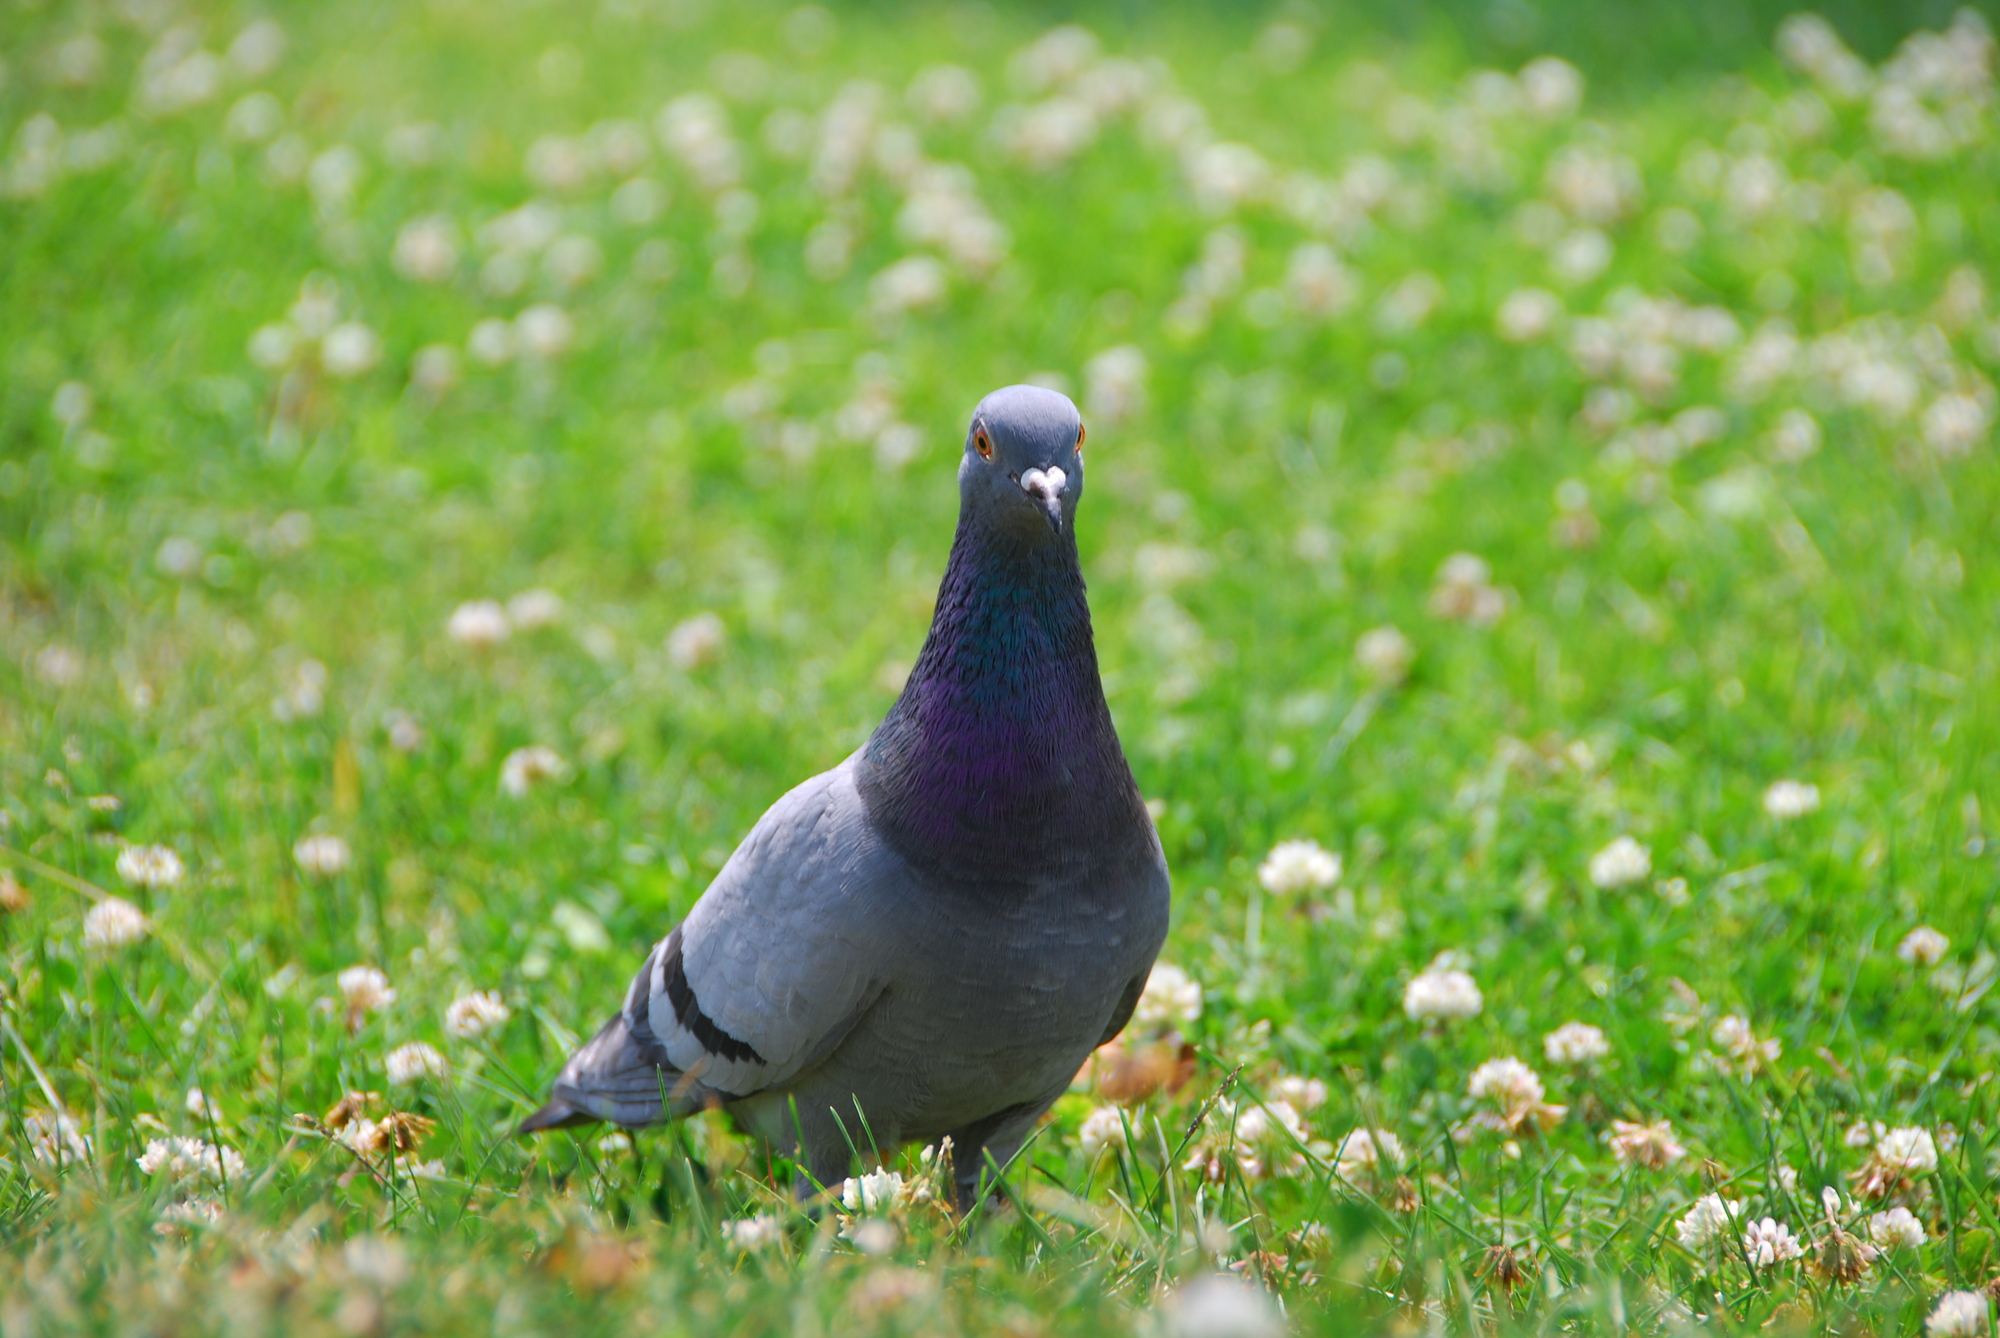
(459, 464)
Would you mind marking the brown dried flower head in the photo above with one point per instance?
(1128, 1075)
(1503, 1269)
(1840, 1256)
(403, 1131)
(348, 1109)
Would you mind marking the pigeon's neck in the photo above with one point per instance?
(999, 763)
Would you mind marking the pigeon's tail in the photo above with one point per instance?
(610, 1078)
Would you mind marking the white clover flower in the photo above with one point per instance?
(55, 1138)
(753, 1233)
(478, 623)
(322, 856)
(1581, 256)
(1268, 1137)
(1102, 1128)
(1910, 1151)
(1955, 423)
(434, 369)
(1507, 1082)
(1650, 1145)
(257, 50)
(473, 1015)
(1464, 592)
(1896, 1229)
(349, 350)
(1809, 44)
(150, 866)
(406, 735)
(199, 1105)
(910, 284)
(1301, 1093)
(1363, 1152)
(426, 249)
(255, 118)
(113, 923)
(1528, 314)
(72, 403)
(534, 608)
(1958, 1315)
(943, 93)
(1788, 799)
(1384, 654)
(875, 1192)
(1796, 437)
(1162, 566)
(1441, 991)
(1298, 866)
(1864, 1133)
(176, 1217)
(1708, 1221)
(1115, 383)
(1220, 1305)
(1172, 998)
(1575, 1043)
(1734, 1034)
(1317, 283)
(695, 642)
(1551, 88)
(273, 347)
(1261, 1123)
(364, 989)
(58, 665)
(491, 342)
(524, 768)
(184, 1159)
(1221, 175)
(695, 129)
(1409, 304)
(376, 1260)
(545, 331)
(1768, 1241)
(414, 1062)
(1621, 864)
(1923, 946)
(872, 1235)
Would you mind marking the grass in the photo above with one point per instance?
(225, 590)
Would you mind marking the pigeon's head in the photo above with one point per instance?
(1023, 466)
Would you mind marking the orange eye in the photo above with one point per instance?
(1079, 438)
(981, 443)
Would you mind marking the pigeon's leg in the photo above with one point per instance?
(981, 1149)
(825, 1168)
(825, 1153)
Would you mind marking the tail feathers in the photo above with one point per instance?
(610, 1078)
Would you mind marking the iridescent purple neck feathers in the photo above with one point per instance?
(999, 764)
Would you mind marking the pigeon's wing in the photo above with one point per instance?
(784, 953)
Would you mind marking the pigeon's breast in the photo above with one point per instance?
(1003, 999)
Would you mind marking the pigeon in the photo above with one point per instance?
(927, 941)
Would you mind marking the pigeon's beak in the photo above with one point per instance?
(1044, 487)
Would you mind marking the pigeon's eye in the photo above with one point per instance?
(982, 443)
(1079, 438)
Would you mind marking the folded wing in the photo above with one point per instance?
(772, 968)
